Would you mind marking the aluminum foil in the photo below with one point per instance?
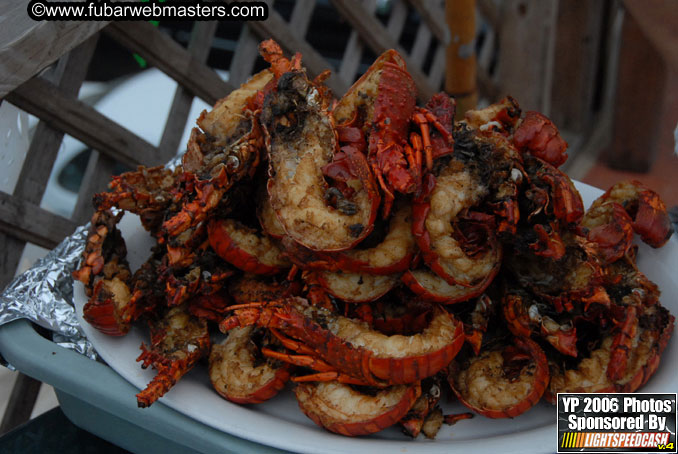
(44, 295)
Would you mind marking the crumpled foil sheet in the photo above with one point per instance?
(44, 295)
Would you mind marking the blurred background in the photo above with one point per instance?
(603, 70)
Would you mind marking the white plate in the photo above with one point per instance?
(281, 424)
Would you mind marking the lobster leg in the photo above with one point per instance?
(330, 376)
(417, 147)
(252, 314)
(307, 357)
(433, 120)
(421, 120)
(455, 418)
(178, 342)
(388, 194)
(326, 372)
(413, 156)
(622, 344)
(299, 360)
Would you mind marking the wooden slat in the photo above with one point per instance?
(301, 17)
(244, 57)
(11, 249)
(460, 79)
(437, 72)
(486, 52)
(576, 61)
(29, 222)
(378, 39)
(433, 24)
(422, 41)
(434, 16)
(525, 36)
(350, 61)
(275, 27)
(659, 21)
(487, 87)
(44, 100)
(29, 46)
(353, 52)
(549, 20)
(637, 111)
(202, 36)
(167, 55)
(21, 402)
(37, 166)
(95, 179)
(490, 12)
(396, 21)
(198, 46)
(592, 145)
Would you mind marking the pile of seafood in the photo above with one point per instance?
(372, 254)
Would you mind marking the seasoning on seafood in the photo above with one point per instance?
(392, 255)
(240, 373)
(573, 282)
(504, 382)
(248, 288)
(301, 141)
(455, 190)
